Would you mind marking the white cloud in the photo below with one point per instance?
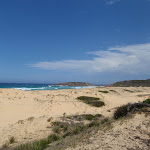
(111, 2)
(129, 59)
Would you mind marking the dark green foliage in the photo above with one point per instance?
(11, 140)
(91, 101)
(68, 117)
(104, 91)
(147, 101)
(87, 98)
(96, 103)
(121, 112)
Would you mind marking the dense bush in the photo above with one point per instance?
(121, 112)
(104, 91)
(87, 98)
(147, 101)
(91, 101)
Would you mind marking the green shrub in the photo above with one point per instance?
(87, 98)
(93, 101)
(96, 103)
(12, 140)
(121, 112)
(104, 91)
(147, 101)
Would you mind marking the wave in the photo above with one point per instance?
(29, 89)
(51, 87)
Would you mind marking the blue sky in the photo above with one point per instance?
(96, 41)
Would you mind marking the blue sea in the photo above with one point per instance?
(29, 86)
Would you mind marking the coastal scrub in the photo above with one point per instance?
(93, 101)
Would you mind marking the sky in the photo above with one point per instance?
(95, 41)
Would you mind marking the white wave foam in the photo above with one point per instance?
(53, 88)
(84, 87)
(29, 89)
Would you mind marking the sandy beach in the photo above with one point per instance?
(24, 114)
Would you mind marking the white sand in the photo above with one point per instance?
(17, 107)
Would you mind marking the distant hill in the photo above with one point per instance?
(133, 83)
(74, 84)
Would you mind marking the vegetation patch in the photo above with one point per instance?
(128, 90)
(104, 91)
(112, 90)
(62, 129)
(12, 140)
(92, 117)
(39, 145)
(87, 98)
(132, 83)
(74, 125)
(130, 108)
(89, 117)
(147, 101)
(121, 112)
(93, 101)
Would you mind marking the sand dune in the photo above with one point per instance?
(24, 114)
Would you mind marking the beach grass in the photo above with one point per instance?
(62, 130)
(39, 145)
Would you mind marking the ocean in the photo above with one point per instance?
(30, 87)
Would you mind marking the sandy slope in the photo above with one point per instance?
(24, 114)
(130, 134)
